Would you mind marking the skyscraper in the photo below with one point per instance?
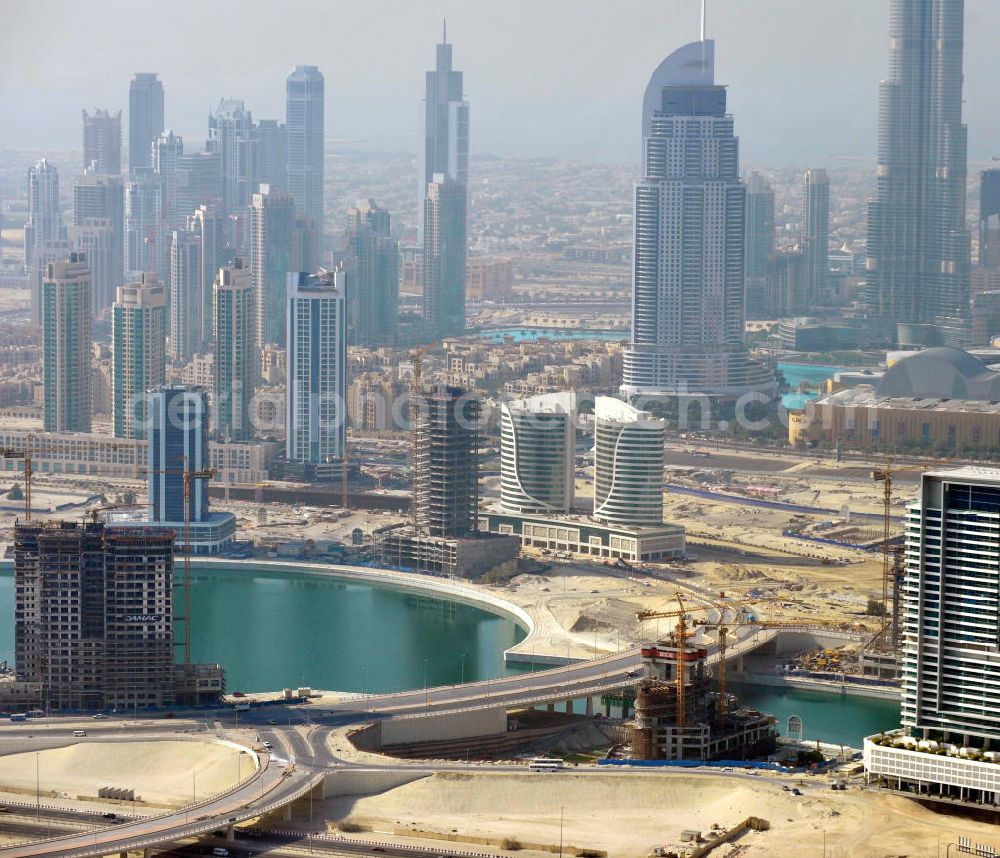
(236, 355)
(167, 151)
(185, 295)
(759, 251)
(99, 201)
(280, 242)
(918, 246)
(44, 212)
(145, 117)
(142, 222)
(628, 464)
(446, 126)
(66, 344)
(272, 169)
(446, 444)
(102, 141)
(373, 282)
(206, 224)
(950, 615)
(304, 140)
(688, 313)
(139, 364)
(232, 136)
(178, 443)
(815, 238)
(537, 454)
(316, 360)
(989, 218)
(445, 244)
(198, 182)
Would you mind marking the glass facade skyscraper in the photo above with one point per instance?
(918, 243)
(304, 140)
(145, 118)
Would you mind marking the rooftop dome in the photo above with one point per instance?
(940, 373)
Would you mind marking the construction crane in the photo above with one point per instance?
(680, 636)
(189, 477)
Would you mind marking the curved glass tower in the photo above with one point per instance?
(688, 306)
(537, 446)
(628, 464)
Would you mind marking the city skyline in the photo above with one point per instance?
(839, 105)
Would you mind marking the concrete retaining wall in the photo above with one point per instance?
(436, 727)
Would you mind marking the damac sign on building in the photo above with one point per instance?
(143, 618)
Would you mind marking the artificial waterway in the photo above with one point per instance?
(273, 629)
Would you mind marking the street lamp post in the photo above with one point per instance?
(38, 791)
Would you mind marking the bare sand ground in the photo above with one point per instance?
(627, 815)
(171, 773)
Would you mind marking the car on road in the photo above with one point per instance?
(100, 716)
(271, 721)
(728, 769)
(786, 788)
(268, 746)
(796, 791)
(110, 815)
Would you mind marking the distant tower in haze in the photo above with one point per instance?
(99, 231)
(445, 243)
(281, 241)
(316, 359)
(145, 117)
(142, 222)
(236, 356)
(446, 126)
(815, 238)
(139, 361)
(102, 141)
(918, 244)
(759, 250)
(989, 219)
(43, 227)
(373, 282)
(688, 280)
(272, 169)
(185, 295)
(304, 139)
(66, 344)
(231, 135)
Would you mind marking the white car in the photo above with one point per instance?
(100, 716)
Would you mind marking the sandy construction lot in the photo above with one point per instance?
(627, 815)
(160, 772)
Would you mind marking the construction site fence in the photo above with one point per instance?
(695, 764)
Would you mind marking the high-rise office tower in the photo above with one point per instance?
(759, 248)
(236, 355)
(142, 222)
(445, 245)
(688, 278)
(93, 617)
(446, 440)
(628, 464)
(232, 136)
(52, 250)
(815, 238)
(167, 151)
(272, 168)
(445, 147)
(44, 212)
(918, 245)
(950, 613)
(102, 141)
(99, 201)
(185, 295)
(145, 117)
(304, 139)
(280, 242)
(66, 344)
(317, 371)
(373, 282)
(198, 182)
(178, 443)
(989, 218)
(537, 454)
(206, 224)
(139, 362)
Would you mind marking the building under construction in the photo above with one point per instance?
(93, 619)
(679, 717)
(445, 536)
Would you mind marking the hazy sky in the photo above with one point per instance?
(545, 77)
